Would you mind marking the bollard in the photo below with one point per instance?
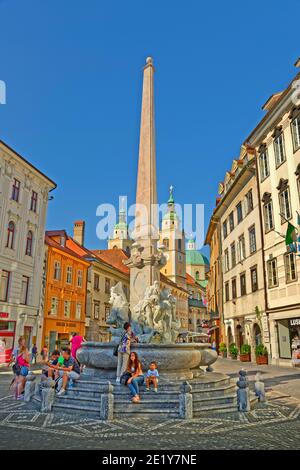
(186, 401)
(107, 404)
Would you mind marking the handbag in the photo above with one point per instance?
(125, 377)
(116, 349)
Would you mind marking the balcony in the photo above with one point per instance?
(196, 303)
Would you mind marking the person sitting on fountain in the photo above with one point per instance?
(124, 350)
(69, 370)
(134, 367)
(152, 376)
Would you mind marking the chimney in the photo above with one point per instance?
(78, 234)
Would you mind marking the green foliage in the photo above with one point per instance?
(245, 349)
(233, 350)
(223, 347)
(261, 350)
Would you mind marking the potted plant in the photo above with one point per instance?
(245, 353)
(233, 350)
(223, 349)
(261, 354)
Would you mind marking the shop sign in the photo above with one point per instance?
(61, 323)
(294, 321)
(3, 315)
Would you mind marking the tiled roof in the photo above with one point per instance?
(51, 242)
(114, 257)
(190, 280)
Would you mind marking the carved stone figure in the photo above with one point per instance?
(119, 313)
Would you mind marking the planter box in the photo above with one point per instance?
(261, 360)
(245, 357)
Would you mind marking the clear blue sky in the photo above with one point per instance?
(73, 72)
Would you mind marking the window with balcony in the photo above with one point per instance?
(272, 273)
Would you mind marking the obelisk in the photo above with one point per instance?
(145, 261)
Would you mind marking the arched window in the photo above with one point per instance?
(197, 275)
(29, 242)
(166, 242)
(10, 235)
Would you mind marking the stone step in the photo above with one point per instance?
(226, 407)
(199, 401)
(138, 411)
(87, 411)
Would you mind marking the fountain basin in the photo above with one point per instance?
(175, 361)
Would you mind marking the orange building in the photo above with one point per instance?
(65, 290)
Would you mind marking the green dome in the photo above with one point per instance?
(194, 257)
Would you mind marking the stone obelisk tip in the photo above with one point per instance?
(149, 60)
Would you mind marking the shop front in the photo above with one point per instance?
(57, 333)
(288, 336)
(7, 337)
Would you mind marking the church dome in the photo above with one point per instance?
(194, 257)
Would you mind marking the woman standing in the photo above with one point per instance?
(134, 367)
(22, 367)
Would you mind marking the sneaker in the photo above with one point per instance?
(61, 392)
(20, 397)
(118, 381)
(155, 390)
(147, 389)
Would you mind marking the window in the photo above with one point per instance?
(29, 242)
(249, 201)
(96, 310)
(264, 165)
(96, 282)
(290, 267)
(67, 308)
(78, 311)
(284, 203)
(279, 150)
(24, 290)
(254, 283)
(166, 242)
(54, 306)
(226, 260)
(272, 273)
(197, 275)
(79, 278)
(252, 239)
(179, 244)
(243, 284)
(69, 275)
(16, 190)
(268, 216)
(225, 233)
(239, 212)
(107, 311)
(233, 255)
(107, 285)
(10, 235)
(296, 133)
(233, 288)
(4, 285)
(226, 291)
(231, 221)
(33, 201)
(57, 270)
(241, 248)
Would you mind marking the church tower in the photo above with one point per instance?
(172, 237)
(120, 238)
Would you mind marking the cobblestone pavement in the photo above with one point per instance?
(275, 425)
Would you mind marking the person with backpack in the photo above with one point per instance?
(123, 350)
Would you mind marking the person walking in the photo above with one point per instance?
(124, 350)
(134, 367)
(33, 354)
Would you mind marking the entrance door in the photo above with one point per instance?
(27, 336)
(239, 336)
(52, 341)
(284, 340)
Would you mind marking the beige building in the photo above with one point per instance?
(23, 206)
(277, 143)
(238, 217)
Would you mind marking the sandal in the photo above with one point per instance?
(135, 399)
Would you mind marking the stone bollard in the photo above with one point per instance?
(259, 387)
(186, 401)
(29, 387)
(243, 398)
(107, 404)
(48, 395)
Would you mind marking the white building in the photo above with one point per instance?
(277, 142)
(23, 207)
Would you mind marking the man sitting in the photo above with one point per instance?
(70, 370)
(52, 362)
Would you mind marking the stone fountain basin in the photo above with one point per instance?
(180, 360)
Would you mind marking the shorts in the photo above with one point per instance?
(71, 375)
(24, 371)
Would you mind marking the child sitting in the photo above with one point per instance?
(152, 376)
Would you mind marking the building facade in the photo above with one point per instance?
(65, 290)
(276, 140)
(23, 207)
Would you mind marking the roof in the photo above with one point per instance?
(194, 257)
(190, 280)
(66, 249)
(114, 257)
(29, 164)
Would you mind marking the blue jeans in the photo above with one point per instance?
(134, 385)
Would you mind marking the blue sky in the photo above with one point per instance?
(73, 72)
